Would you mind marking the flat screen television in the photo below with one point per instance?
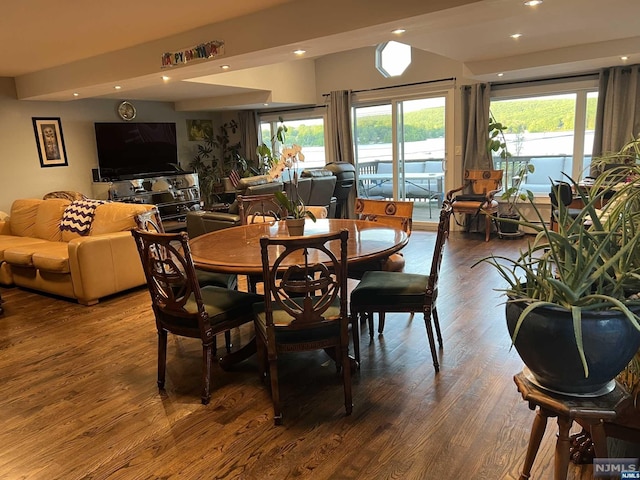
(130, 150)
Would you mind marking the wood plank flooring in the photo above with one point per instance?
(78, 395)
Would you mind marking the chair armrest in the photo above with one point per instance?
(450, 193)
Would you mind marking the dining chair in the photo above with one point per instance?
(181, 306)
(304, 306)
(393, 213)
(477, 197)
(150, 221)
(260, 208)
(561, 192)
(396, 292)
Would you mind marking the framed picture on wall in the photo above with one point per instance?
(199, 130)
(50, 142)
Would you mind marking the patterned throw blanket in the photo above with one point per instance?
(78, 215)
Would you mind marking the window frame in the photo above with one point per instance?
(580, 88)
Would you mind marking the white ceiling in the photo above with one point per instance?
(55, 48)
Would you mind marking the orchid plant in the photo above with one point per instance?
(289, 158)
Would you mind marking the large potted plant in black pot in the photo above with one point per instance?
(572, 296)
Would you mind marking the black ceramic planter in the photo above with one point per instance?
(546, 343)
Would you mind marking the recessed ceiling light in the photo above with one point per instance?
(75, 94)
(165, 78)
(117, 87)
(398, 31)
(532, 3)
(299, 51)
(225, 67)
(501, 74)
(265, 104)
(624, 57)
(516, 35)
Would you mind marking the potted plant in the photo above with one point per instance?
(296, 209)
(288, 160)
(215, 159)
(572, 296)
(508, 216)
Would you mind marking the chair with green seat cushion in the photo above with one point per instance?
(304, 307)
(394, 292)
(181, 306)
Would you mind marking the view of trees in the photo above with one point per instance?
(540, 115)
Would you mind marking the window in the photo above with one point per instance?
(549, 126)
(303, 128)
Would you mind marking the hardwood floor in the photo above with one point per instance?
(78, 395)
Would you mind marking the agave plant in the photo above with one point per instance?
(591, 263)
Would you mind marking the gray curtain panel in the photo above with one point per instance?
(618, 112)
(475, 118)
(248, 128)
(340, 148)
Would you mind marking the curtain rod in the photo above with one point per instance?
(399, 86)
(548, 79)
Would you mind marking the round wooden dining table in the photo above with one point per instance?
(237, 249)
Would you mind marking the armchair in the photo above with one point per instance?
(479, 189)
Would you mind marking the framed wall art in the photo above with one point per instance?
(199, 130)
(50, 142)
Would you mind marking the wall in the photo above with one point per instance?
(20, 173)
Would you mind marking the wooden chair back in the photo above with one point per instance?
(483, 182)
(150, 221)
(444, 226)
(313, 283)
(172, 282)
(260, 208)
(394, 213)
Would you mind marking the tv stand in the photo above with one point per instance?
(173, 194)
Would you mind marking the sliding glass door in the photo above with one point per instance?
(400, 152)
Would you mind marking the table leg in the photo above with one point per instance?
(562, 449)
(537, 432)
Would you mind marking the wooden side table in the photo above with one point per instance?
(592, 412)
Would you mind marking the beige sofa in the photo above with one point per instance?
(35, 253)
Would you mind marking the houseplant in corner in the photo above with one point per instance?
(572, 305)
(508, 216)
(215, 159)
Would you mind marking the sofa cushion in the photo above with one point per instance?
(48, 256)
(11, 241)
(48, 219)
(52, 257)
(23, 216)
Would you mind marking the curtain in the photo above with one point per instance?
(340, 148)
(475, 119)
(248, 127)
(618, 111)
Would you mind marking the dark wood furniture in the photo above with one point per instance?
(305, 306)
(237, 249)
(398, 214)
(179, 304)
(385, 292)
(590, 412)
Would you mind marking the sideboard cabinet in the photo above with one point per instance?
(174, 195)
